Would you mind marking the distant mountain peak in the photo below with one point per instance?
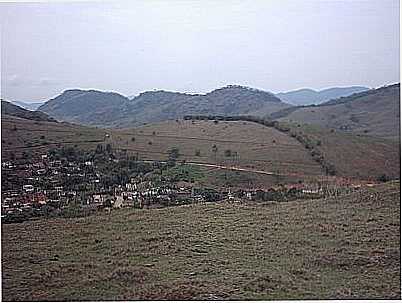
(114, 110)
(8, 108)
(307, 96)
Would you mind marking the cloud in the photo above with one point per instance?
(46, 82)
(18, 81)
(15, 80)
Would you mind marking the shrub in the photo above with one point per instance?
(228, 153)
(383, 178)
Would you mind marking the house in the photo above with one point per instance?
(28, 188)
(39, 198)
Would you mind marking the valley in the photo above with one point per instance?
(200, 206)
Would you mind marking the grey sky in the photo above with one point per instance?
(196, 46)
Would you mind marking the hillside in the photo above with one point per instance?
(374, 112)
(85, 107)
(113, 110)
(10, 109)
(24, 137)
(334, 248)
(256, 147)
(252, 146)
(355, 156)
(261, 154)
(309, 96)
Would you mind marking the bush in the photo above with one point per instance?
(330, 169)
(228, 153)
(383, 178)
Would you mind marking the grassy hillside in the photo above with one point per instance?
(374, 112)
(345, 248)
(264, 148)
(262, 155)
(251, 146)
(20, 136)
(357, 156)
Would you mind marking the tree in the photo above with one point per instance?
(99, 149)
(197, 152)
(228, 153)
(215, 150)
(383, 178)
(173, 156)
(109, 148)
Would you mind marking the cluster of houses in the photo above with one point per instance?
(60, 184)
(31, 185)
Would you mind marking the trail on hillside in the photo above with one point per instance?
(249, 170)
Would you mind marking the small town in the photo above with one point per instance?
(72, 183)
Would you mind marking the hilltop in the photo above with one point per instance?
(375, 112)
(103, 109)
(308, 96)
(89, 107)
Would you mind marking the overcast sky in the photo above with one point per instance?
(196, 46)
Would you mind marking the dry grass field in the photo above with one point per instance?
(344, 248)
(362, 157)
(19, 135)
(252, 147)
(257, 147)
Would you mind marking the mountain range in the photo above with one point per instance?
(308, 96)
(105, 109)
(371, 112)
